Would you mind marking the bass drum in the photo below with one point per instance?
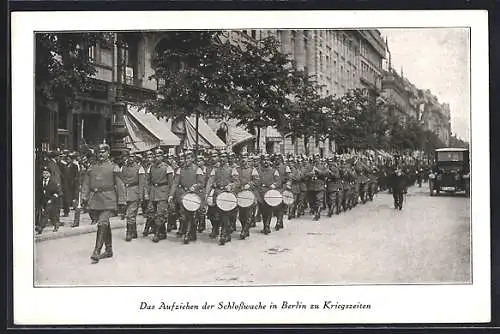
(210, 198)
(288, 198)
(273, 197)
(246, 199)
(191, 202)
(226, 201)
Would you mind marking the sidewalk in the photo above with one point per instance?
(65, 229)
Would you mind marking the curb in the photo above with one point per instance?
(74, 231)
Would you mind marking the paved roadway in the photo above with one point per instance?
(427, 242)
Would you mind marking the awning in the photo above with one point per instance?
(273, 135)
(146, 131)
(238, 135)
(207, 137)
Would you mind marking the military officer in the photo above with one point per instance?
(133, 176)
(211, 209)
(103, 190)
(160, 179)
(188, 178)
(146, 164)
(201, 214)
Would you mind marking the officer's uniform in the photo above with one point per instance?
(133, 176)
(103, 189)
(284, 172)
(160, 179)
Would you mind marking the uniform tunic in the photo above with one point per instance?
(102, 187)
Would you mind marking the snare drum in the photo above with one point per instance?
(273, 198)
(191, 202)
(246, 199)
(226, 201)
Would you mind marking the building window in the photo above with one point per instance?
(92, 53)
(254, 34)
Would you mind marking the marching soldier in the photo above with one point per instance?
(224, 178)
(160, 179)
(188, 178)
(201, 216)
(270, 179)
(295, 180)
(333, 188)
(173, 214)
(146, 164)
(316, 175)
(284, 172)
(211, 208)
(134, 177)
(102, 190)
(249, 180)
(303, 199)
(399, 184)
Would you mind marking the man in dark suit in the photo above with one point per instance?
(49, 205)
(399, 184)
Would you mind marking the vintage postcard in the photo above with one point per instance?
(241, 167)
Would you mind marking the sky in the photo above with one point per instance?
(436, 59)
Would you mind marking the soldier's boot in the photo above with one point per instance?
(128, 234)
(147, 227)
(267, 226)
(108, 244)
(202, 223)
(162, 231)
(56, 225)
(253, 222)
(215, 230)
(156, 236)
(187, 233)
(244, 230)
(317, 214)
(99, 242)
(134, 230)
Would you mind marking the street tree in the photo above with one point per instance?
(195, 74)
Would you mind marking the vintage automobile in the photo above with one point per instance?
(451, 172)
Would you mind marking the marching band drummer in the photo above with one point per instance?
(188, 178)
(224, 178)
(270, 179)
(249, 180)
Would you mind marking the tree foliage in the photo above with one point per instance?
(62, 66)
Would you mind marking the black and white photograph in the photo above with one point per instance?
(280, 155)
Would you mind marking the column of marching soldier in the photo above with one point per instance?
(215, 185)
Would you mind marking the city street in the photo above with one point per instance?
(427, 242)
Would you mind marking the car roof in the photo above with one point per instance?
(451, 149)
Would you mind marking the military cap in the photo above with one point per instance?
(46, 169)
